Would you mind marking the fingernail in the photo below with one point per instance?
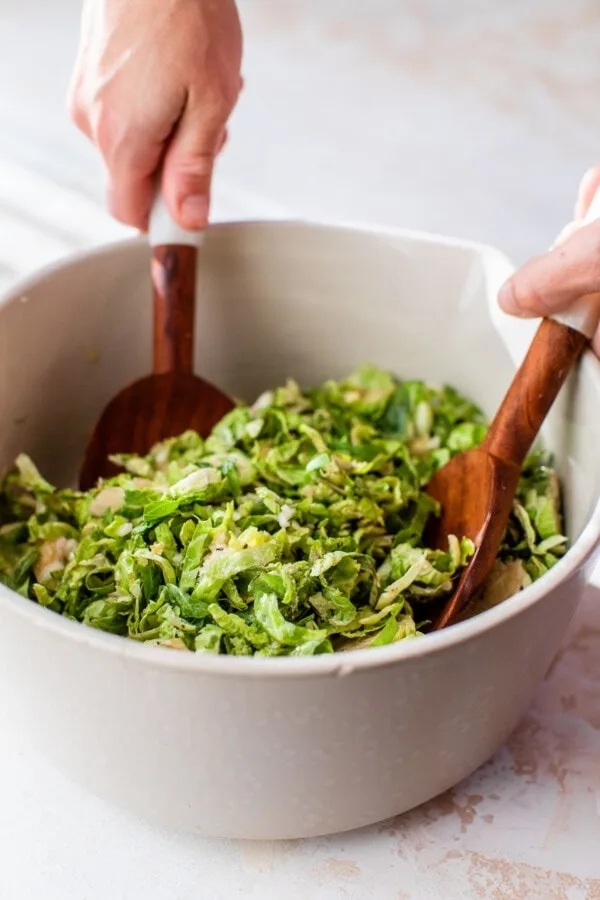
(194, 211)
(507, 299)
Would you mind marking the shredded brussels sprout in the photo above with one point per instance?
(296, 528)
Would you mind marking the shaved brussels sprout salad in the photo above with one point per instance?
(296, 528)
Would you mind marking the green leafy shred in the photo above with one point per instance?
(295, 528)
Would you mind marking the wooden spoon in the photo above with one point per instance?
(476, 489)
(172, 399)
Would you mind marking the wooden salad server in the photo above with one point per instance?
(171, 400)
(476, 489)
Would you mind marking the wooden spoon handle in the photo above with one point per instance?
(174, 258)
(553, 352)
(174, 284)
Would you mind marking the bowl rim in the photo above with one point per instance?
(335, 664)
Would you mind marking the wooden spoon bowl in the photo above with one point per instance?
(476, 489)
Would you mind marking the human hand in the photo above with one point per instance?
(155, 82)
(550, 283)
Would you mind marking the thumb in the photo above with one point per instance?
(587, 191)
(188, 169)
(551, 282)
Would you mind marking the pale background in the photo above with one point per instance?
(472, 118)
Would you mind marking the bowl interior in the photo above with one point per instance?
(278, 300)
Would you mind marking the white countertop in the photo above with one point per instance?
(471, 118)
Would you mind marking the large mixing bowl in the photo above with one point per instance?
(280, 748)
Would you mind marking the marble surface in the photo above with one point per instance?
(471, 118)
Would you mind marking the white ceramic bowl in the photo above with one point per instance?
(280, 748)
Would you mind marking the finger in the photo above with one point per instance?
(587, 191)
(550, 283)
(77, 111)
(131, 156)
(129, 200)
(222, 141)
(566, 233)
(590, 183)
(131, 186)
(188, 169)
